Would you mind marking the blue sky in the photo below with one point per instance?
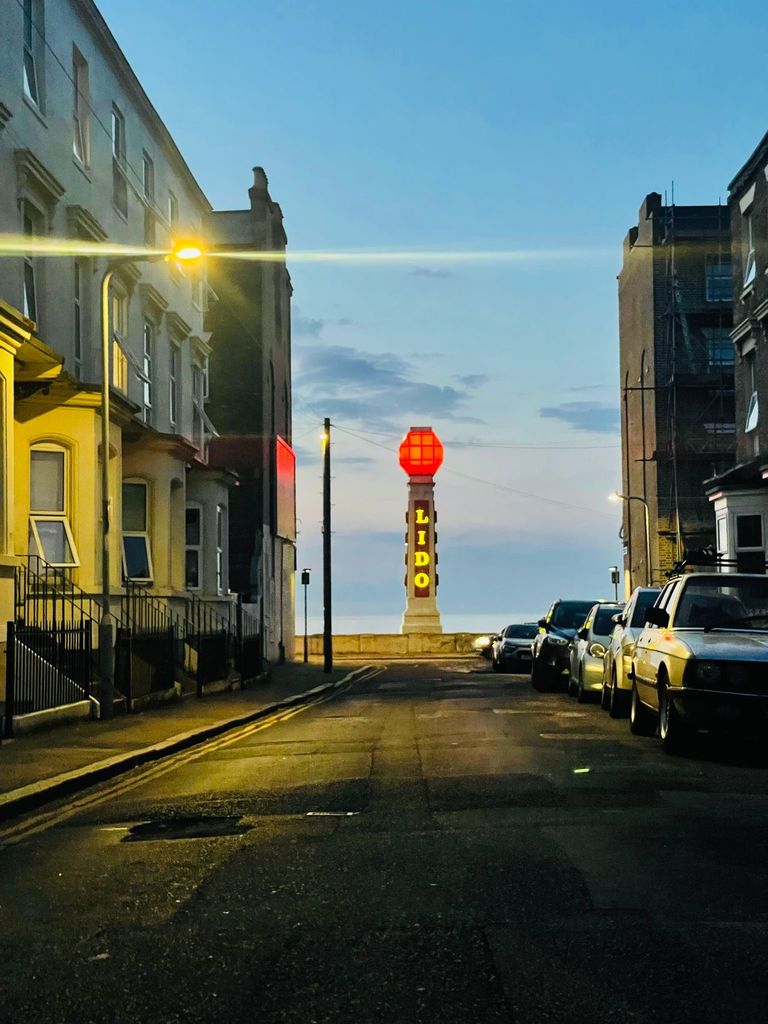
(457, 126)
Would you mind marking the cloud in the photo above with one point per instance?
(313, 327)
(473, 380)
(375, 389)
(307, 326)
(430, 272)
(591, 387)
(594, 417)
(353, 460)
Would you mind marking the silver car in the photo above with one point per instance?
(617, 681)
(588, 650)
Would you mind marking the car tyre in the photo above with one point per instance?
(539, 676)
(617, 701)
(572, 687)
(495, 666)
(605, 697)
(642, 721)
(675, 735)
(582, 696)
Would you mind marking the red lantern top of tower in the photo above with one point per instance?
(421, 452)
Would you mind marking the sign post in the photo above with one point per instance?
(421, 455)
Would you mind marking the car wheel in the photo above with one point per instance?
(617, 702)
(572, 685)
(605, 697)
(642, 721)
(673, 731)
(495, 666)
(582, 695)
(539, 675)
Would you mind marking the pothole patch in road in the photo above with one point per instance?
(187, 828)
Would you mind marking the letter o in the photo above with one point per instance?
(421, 580)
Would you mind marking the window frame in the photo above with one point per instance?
(30, 72)
(81, 117)
(748, 249)
(221, 520)
(145, 377)
(77, 333)
(37, 515)
(198, 548)
(144, 534)
(32, 226)
(118, 301)
(119, 152)
(148, 187)
(173, 382)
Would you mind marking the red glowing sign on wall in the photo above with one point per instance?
(421, 452)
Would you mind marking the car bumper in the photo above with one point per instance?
(713, 708)
(558, 658)
(522, 656)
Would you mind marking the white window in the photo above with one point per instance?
(78, 311)
(173, 210)
(148, 176)
(50, 535)
(119, 311)
(145, 377)
(31, 228)
(193, 558)
(137, 551)
(81, 135)
(748, 249)
(173, 382)
(32, 34)
(220, 526)
(119, 182)
(198, 419)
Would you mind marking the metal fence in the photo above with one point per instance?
(46, 668)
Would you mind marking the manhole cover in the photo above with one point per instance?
(186, 828)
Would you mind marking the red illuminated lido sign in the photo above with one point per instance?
(421, 452)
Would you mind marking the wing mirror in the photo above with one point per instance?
(542, 623)
(583, 633)
(618, 619)
(657, 616)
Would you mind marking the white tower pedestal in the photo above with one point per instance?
(421, 614)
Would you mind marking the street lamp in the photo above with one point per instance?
(186, 251)
(305, 583)
(615, 496)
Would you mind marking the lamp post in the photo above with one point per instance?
(186, 252)
(305, 583)
(615, 496)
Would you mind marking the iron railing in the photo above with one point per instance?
(46, 668)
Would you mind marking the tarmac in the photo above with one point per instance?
(46, 765)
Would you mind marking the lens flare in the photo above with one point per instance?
(31, 245)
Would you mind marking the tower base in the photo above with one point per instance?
(421, 622)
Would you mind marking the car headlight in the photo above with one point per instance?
(559, 641)
(707, 672)
(596, 650)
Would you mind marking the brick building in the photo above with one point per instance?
(676, 364)
(740, 495)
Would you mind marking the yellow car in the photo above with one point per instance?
(701, 660)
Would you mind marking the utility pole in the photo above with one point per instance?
(327, 618)
(305, 583)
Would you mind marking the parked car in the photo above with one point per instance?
(512, 647)
(588, 649)
(483, 645)
(701, 660)
(550, 654)
(617, 664)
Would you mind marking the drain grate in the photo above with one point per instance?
(186, 828)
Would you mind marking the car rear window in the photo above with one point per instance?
(571, 614)
(644, 602)
(603, 625)
(523, 631)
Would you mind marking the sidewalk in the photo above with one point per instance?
(45, 765)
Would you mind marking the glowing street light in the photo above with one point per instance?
(616, 496)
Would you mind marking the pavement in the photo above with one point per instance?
(46, 765)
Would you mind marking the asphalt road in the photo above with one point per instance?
(432, 846)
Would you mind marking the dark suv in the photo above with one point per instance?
(550, 657)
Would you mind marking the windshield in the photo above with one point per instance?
(644, 601)
(524, 631)
(604, 624)
(571, 614)
(736, 603)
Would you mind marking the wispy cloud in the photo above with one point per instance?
(374, 389)
(473, 380)
(591, 387)
(439, 272)
(313, 327)
(592, 417)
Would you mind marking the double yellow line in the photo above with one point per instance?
(40, 822)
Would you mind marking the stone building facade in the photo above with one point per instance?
(740, 494)
(676, 366)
